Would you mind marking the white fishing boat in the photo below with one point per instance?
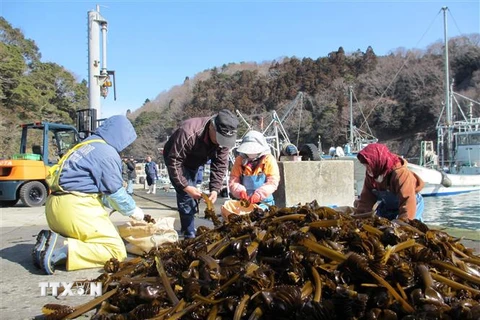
(458, 173)
(439, 183)
(358, 139)
(456, 168)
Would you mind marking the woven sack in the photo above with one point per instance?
(141, 236)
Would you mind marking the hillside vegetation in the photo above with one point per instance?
(399, 95)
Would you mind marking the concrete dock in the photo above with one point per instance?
(20, 293)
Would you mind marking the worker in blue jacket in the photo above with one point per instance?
(151, 173)
(86, 187)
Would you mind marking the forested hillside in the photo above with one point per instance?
(31, 90)
(400, 95)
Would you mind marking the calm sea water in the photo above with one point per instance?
(457, 211)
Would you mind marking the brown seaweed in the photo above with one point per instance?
(304, 262)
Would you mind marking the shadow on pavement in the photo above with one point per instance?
(21, 254)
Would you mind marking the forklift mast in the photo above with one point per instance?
(100, 79)
(86, 122)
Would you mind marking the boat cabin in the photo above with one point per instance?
(467, 147)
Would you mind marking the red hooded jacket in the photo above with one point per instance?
(397, 179)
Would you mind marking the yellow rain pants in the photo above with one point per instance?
(91, 236)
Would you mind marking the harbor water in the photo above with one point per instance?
(454, 211)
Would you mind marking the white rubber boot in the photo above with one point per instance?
(154, 188)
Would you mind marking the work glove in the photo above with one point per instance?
(137, 214)
(254, 198)
(243, 195)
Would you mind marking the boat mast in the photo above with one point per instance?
(351, 115)
(448, 105)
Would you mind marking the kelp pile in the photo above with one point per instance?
(305, 262)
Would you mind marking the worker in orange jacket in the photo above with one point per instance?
(255, 175)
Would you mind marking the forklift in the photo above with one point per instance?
(42, 145)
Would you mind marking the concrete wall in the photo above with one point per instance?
(358, 172)
(328, 182)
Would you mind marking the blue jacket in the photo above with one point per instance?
(97, 167)
(151, 170)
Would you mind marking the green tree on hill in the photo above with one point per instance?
(31, 90)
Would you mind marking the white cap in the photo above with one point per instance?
(253, 143)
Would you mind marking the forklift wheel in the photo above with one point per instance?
(33, 194)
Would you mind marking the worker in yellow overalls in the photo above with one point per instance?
(88, 182)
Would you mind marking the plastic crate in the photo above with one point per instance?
(26, 156)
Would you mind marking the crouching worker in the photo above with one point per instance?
(255, 175)
(86, 183)
(389, 182)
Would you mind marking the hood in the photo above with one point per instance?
(379, 158)
(117, 131)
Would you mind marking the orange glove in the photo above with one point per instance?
(243, 195)
(254, 198)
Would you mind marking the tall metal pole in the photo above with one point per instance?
(448, 104)
(277, 142)
(96, 75)
(351, 116)
(104, 71)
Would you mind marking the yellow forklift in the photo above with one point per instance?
(42, 144)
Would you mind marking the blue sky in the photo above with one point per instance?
(154, 45)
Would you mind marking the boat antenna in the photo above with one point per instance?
(300, 119)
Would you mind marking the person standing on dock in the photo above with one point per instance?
(131, 175)
(196, 141)
(151, 173)
(389, 182)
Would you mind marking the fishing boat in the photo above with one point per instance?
(456, 168)
(458, 173)
(358, 139)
